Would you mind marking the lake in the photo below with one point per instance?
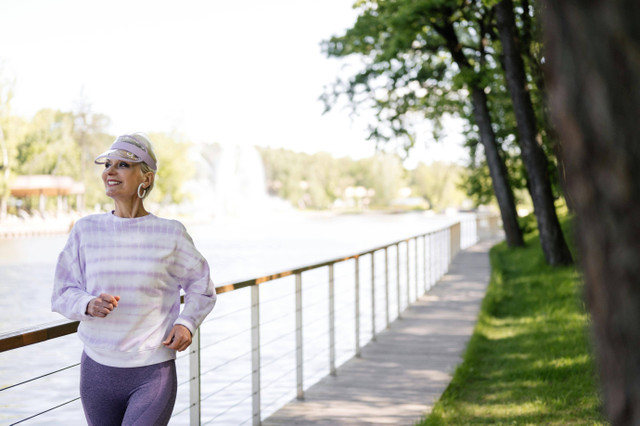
(236, 248)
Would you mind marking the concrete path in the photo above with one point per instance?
(401, 375)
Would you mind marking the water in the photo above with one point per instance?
(236, 248)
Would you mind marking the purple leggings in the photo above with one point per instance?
(127, 396)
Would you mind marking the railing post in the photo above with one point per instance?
(398, 276)
(358, 354)
(332, 324)
(386, 286)
(194, 384)
(447, 249)
(451, 241)
(424, 261)
(448, 240)
(432, 258)
(373, 297)
(436, 257)
(456, 240)
(407, 258)
(441, 254)
(415, 284)
(443, 257)
(255, 355)
(299, 348)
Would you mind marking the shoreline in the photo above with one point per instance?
(36, 227)
(16, 227)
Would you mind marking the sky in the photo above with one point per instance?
(233, 72)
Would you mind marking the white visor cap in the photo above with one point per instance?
(128, 148)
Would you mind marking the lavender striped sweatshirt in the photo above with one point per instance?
(145, 261)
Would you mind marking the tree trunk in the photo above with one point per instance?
(594, 81)
(497, 168)
(554, 246)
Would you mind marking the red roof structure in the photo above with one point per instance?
(47, 185)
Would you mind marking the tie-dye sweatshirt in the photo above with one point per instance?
(145, 261)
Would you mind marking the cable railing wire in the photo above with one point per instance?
(227, 386)
(316, 303)
(277, 399)
(279, 317)
(225, 339)
(276, 359)
(177, 413)
(186, 354)
(316, 337)
(227, 362)
(225, 315)
(277, 379)
(227, 410)
(191, 379)
(317, 354)
(317, 319)
(39, 377)
(45, 411)
(277, 338)
(290, 295)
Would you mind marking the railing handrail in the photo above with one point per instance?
(41, 333)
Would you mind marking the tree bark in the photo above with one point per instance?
(594, 79)
(554, 246)
(497, 168)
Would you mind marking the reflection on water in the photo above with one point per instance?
(236, 249)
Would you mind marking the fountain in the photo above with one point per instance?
(229, 182)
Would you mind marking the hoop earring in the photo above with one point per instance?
(144, 193)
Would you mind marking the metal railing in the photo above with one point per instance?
(390, 285)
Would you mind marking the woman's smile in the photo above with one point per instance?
(121, 178)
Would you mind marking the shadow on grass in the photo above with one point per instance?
(529, 360)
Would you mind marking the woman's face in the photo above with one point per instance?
(121, 179)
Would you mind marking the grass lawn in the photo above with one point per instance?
(529, 359)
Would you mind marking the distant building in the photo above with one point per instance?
(45, 186)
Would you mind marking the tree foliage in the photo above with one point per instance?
(62, 143)
(409, 70)
(426, 58)
(438, 183)
(47, 146)
(174, 168)
(320, 181)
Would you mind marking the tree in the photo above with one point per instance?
(436, 183)
(554, 246)
(89, 132)
(285, 171)
(48, 147)
(594, 82)
(416, 52)
(384, 174)
(7, 140)
(174, 168)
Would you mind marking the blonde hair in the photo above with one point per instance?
(142, 138)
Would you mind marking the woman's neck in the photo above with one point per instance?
(130, 209)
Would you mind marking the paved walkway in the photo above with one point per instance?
(401, 375)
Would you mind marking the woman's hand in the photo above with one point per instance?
(102, 305)
(179, 338)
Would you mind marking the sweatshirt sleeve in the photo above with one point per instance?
(194, 277)
(69, 296)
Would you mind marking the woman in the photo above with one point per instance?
(120, 275)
